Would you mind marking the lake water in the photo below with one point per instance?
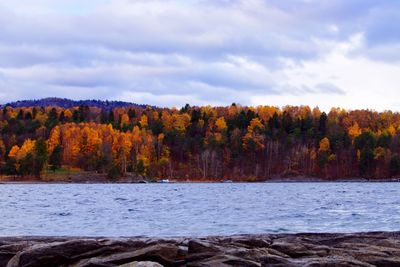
(197, 209)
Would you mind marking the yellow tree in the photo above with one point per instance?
(68, 114)
(71, 142)
(13, 152)
(216, 133)
(19, 153)
(136, 140)
(91, 141)
(124, 120)
(324, 153)
(266, 112)
(145, 152)
(122, 150)
(324, 145)
(221, 124)
(181, 122)
(167, 120)
(144, 122)
(54, 139)
(391, 130)
(354, 131)
(253, 139)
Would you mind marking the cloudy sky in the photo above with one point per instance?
(170, 52)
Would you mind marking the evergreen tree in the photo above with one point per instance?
(26, 165)
(365, 143)
(322, 124)
(52, 119)
(40, 157)
(55, 158)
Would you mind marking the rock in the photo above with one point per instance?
(255, 242)
(165, 254)
(276, 261)
(57, 253)
(390, 261)
(8, 251)
(255, 254)
(199, 256)
(199, 246)
(294, 250)
(141, 264)
(286, 250)
(224, 260)
(52, 254)
(297, 248)
(335, 261)
(274, 252)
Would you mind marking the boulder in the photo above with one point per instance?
(165, 254)
(8, 251)
(201, 246)
(141, 264)
(224, 260)
(289, 250)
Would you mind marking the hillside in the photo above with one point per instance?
(68, 103)
(237, 142)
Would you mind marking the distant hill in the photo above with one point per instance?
(68, 103)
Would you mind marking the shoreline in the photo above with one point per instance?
(88, 177)
(302, 249)
(357, 180)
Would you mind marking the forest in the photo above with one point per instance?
(205, 143)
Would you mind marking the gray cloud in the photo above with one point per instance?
(224, 50)
(329, 88)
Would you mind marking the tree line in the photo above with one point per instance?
(201, 143)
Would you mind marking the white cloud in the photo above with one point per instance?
(201, 51)
(368, 84)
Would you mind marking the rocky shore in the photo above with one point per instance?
(358, 249)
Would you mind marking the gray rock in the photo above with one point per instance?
(7, 251)
(201, 246)
(165, 254)
(254, 242)
(141, 264)
(224, 260)
(289, 250)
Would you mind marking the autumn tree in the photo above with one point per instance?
(234, 142)
(323, 153)
(253, 141)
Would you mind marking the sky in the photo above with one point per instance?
(203, 52)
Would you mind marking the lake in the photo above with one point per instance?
(197, 209)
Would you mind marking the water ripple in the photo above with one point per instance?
(197, 209)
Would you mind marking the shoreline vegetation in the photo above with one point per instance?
(238, 143)
(98, 178)
(292, 250)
